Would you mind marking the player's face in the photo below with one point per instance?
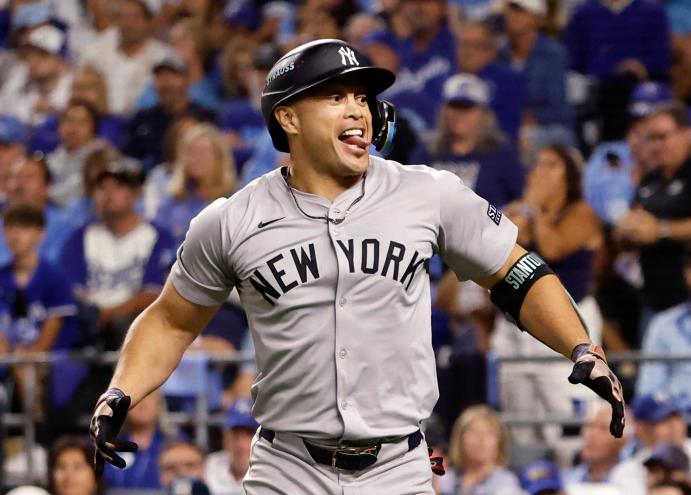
(22, 240)
(73, 475)
(334, 128)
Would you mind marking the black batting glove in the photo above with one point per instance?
(591, 369)
(109, 415)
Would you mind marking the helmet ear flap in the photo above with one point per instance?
(384, 126)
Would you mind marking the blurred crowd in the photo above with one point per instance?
(120, 120)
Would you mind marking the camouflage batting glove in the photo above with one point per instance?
(109, 415)
(591, 369)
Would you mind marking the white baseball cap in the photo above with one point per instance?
(47, 38)
(466, 88)
(538, 7)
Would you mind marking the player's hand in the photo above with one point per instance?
(109, 414)
(591, 369)
(436, 463)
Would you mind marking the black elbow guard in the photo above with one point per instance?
(508, 295)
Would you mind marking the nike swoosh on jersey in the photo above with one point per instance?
(263, 224)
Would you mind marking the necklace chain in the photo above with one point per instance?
(335, 221)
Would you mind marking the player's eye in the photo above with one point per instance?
(361, 99)
(336, 98)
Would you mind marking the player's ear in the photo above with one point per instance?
(287, 119)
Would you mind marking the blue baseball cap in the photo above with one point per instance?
(654, 407)
(239, 415)
(669, 457)
(647, 96)
(466, 88)
(11, 130)
(539, 476)
(30, 15)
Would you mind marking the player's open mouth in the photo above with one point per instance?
(354, 139)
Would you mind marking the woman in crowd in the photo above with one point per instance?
(88, 85)
(203, 172)
(478, 452)
(554, 221)
(469, 143)
(72, 469)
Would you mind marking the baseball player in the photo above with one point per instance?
(329, 256)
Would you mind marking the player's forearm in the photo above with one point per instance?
(549, 316)
(151, 351)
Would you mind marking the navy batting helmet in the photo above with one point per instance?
(320, 61)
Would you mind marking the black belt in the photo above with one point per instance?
(350, 458)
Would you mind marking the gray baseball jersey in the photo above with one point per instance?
(340, 312)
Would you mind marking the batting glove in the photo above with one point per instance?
(109, 414)
(591, 369)
(436, 463)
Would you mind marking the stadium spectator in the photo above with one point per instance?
(144, 427)
(236, 69)
(427, 53)
(88, 85)
(608, 37)
(77, 129)
(241, 120)
(618, 43)
(158, 179)
(81, 210)
(469, 143)
(203, 172)
(660, 222)
(117, 264)
(29, 181)
(667, 334)
(188, 40)
(180, 459)
(555, 221)
(542, 478)
(543, 63)
(477, 54)
(666, 462)
(599, 452)
(94, 23)
(71, 468)
(45, 87)
(126, 60)
(658, 419)
(225, 469)
(412, 107)
(615, 168)
(478, 453)
(144, 133)
(37, 309)
(12, 148)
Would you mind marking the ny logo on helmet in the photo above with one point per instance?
(347, 56)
